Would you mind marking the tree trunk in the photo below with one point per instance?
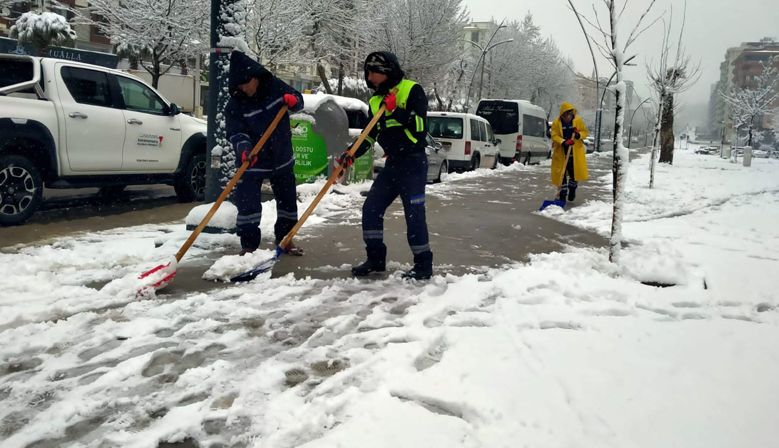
(667, 138)
(155, 74)
(133, 61)
(620, 169)
(323, 76)
(438, 97)
(341, 78)
(655, 138)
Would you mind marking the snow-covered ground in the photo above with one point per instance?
(566, 350)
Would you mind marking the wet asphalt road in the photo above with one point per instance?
(479, 222)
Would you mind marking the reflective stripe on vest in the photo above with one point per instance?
(402, 91)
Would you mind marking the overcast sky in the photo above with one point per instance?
(712, 27)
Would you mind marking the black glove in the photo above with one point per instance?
(576, 134)
(346, 159)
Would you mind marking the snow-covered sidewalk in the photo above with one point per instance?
(567, 350)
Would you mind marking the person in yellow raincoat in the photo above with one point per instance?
(568, 131)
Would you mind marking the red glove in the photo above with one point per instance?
(391, 101)
(568, 142)
(346, 159)
(576, 134)
(290, 100)
(245, 155)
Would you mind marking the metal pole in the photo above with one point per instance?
(630, 132)
(481, 81)
(484, 51)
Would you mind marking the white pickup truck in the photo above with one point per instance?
(71, 125)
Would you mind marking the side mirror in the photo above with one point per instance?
(498, 141)
(174, 110)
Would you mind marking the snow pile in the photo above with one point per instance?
(45, 26)
(229, 266)
(224, 218)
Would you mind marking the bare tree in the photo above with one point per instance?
(757, 100)
(615, 51)
(42, 31)
(675, 74)
(156, 33)
(425, 35)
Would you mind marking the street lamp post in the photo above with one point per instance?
(484, 51)
(599, 110)
(630, 125)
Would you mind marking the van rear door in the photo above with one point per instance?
(505, 121)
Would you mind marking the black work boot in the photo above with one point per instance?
(423, 267)
(377, 262)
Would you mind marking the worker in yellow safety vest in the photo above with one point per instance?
(401, 133)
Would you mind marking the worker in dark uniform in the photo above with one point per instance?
(401, 133)
(257, 96)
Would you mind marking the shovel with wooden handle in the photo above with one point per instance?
(168, 271)
(558, 201)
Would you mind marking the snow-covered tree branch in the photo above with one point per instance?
(759, 99)
(674, 74)
(42, 31)
(156, 33)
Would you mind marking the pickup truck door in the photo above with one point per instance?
(152, 141)
(94, 127)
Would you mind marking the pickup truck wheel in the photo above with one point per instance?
(21, 189)
(191, 184)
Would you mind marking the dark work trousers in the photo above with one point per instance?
(405, 177)
(247, 200)
(568, 190)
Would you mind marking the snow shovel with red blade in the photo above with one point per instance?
(267, 265)
(168, 271)
(560, 202)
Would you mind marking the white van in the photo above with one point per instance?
(521, 127)
(467, 139)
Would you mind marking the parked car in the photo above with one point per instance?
(436, 159)
(65, 124)
(466, 138)
(522, 128)
(589, 144)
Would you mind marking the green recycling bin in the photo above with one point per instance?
(320, 134)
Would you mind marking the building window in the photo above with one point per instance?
(475, 36)
(96, 29)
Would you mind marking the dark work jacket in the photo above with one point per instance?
(247, 118)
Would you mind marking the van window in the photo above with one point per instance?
(483, 132)
(533, 126)
(502, 115)
(490, 136)
(445, 127)
(475, 131)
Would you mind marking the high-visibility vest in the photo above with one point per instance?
(402, 91)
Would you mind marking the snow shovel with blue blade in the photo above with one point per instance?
(559, 202)
(168, 278)
(267, 265)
